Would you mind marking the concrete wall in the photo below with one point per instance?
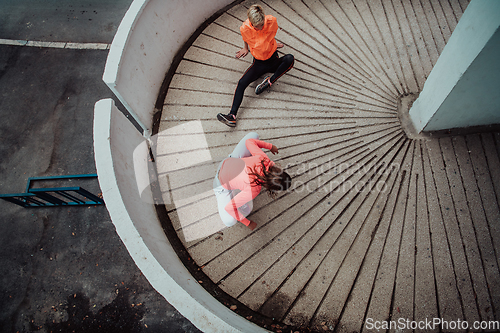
(149, 36)
(462, 88)
(119, 150)
(475, 99)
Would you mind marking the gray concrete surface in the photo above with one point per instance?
(62, 269)
(56, 21)
(336, 249)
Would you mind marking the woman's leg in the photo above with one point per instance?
(252, 74)
(278, 66)
(285, 64)
(241, 150)
(223, 197)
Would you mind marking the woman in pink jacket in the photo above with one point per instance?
(241, 176)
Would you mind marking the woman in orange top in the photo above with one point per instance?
(258, 33)
(241, 176)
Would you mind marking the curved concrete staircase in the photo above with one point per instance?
(377, 226)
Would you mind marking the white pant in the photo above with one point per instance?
(223, 195)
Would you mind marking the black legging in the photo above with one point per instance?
(275, 64)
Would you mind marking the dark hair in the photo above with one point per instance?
(273, 179)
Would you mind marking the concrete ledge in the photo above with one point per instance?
(461, 90)
(117, 146)
(147, 40)
(404, 105)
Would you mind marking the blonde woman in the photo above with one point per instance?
(258, 33)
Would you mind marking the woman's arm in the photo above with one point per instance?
(243, 52)
(255, 146)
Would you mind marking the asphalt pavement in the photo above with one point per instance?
(63, 269)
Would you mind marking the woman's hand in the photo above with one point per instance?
(252, 225)
(241, 53)
(274, 150)
(279, 45)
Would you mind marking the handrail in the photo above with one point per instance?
(54, 196)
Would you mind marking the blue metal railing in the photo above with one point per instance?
(55, 196)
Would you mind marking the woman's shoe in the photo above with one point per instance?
(228, 119)
(263, 86)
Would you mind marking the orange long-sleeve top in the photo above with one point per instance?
(261, 43)
(235, 175)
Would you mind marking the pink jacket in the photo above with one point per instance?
(234, 175)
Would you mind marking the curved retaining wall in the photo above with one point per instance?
(150, 35)
(118, 147)
(148, 38)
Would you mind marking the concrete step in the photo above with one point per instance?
(377, 225)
